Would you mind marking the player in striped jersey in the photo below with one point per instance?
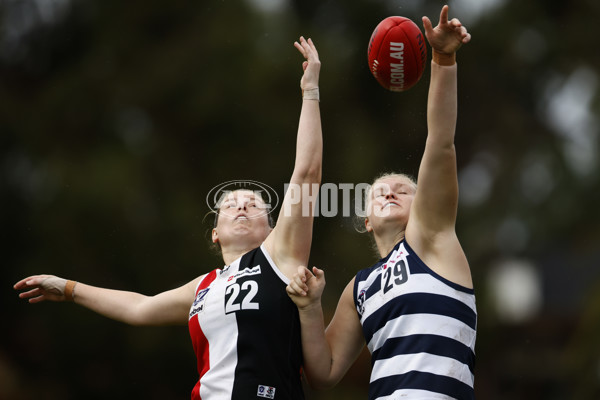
(244, 327)
(415, 307)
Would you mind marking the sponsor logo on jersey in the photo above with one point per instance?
(396, 255)
(245, 272)
(267, 392)
(199, 301)
(224, 270)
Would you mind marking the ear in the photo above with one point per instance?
(215, 235)
(368, 225)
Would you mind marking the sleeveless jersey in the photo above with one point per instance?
(419, 327)
(246, 333)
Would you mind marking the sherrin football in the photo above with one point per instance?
(397, 54)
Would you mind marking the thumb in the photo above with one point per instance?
(319, 273)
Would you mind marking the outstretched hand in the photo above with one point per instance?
(306, 287)
(311, 66)
(42, 287)
(447, 36)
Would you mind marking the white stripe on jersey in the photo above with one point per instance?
(273, 266)
(422, 362)
(413, 324)
(221, 333)
(420, 283)
(415, 394)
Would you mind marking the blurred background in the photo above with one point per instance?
(117, 118)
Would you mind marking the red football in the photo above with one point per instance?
(397, 53)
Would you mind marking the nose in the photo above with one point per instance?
(390, 195)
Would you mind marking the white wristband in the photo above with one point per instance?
(311, 94)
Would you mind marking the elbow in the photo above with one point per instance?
(321, 382)
(321, 386)
(308, 174)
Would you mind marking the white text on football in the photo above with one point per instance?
(397, 69)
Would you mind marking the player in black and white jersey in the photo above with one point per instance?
(414, 308)
(244, 327)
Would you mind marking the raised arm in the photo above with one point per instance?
(437, 195)
(167, 308)
(431, 226)
(289, 242)
(328, 353)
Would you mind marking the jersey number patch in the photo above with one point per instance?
(394, 276)
(239, 297)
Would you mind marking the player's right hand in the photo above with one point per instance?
(39, 288)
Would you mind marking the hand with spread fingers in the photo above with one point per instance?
(448, 35)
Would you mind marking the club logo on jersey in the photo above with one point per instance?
(267, 392)
(245, 272)
(360, 303)
(199, 301)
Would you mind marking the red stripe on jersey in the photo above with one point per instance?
(199, 340)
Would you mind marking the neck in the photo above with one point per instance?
(230, 254)
(385, 243)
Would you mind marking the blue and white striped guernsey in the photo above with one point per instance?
(419, 327)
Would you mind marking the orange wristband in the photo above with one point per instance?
(69, 290)
(443, 59)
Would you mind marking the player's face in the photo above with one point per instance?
(390, 199)
(242, 216)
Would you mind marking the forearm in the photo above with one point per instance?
(309, 144)
(166, 308)
(442, 103)
(114, 304)
(315, 348)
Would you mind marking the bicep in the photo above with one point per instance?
(344, 334)
(290, 241)
(170, 307)
(436, 200)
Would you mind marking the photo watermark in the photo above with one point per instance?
(325, 200)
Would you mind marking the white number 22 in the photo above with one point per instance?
(250, 289)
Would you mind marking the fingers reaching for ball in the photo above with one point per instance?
(448, 35)
(311, 66)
